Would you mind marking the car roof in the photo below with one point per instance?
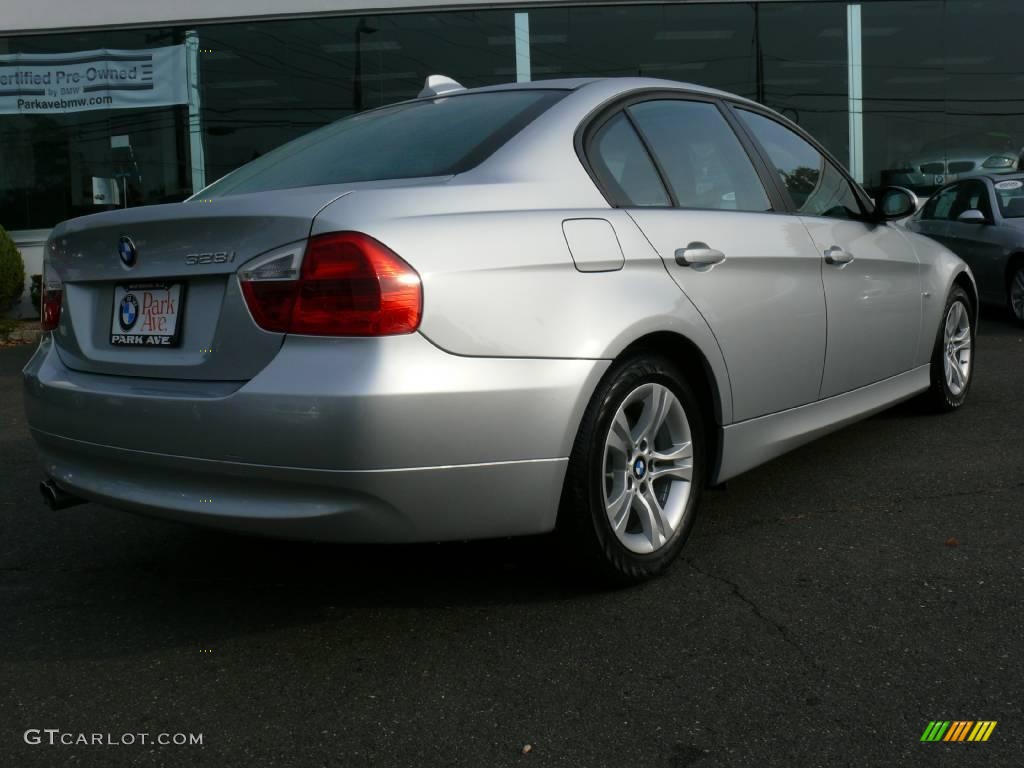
(997, 177)
(561, 84)
(625, 84)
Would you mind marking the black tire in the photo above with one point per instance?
(939, 397)
(584, 528)
(1014, 297)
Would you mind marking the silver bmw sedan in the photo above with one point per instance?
(565, 305)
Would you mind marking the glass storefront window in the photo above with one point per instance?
(803, 55)
(59, 165)
(904, 88)
(712, 45)
(942, 89)
(984, 101)
(940, 86)
(266, 83)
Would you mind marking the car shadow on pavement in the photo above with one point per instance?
(180, 586)
(998, 321)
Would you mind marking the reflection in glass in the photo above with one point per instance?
(943, 95)
(816, 187)
(803, 55)
(422, 138)
(942, 87)
(625, 169)
(58, 166)
(704, 162)
(709, 44)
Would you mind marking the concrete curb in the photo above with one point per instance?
(23, 336)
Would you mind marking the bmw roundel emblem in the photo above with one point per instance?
(639, 469)
(128, 312)
(127, 251)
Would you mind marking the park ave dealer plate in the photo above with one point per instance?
(147, 314)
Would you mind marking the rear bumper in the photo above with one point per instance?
(337, 439)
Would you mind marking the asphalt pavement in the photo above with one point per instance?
(827, 607)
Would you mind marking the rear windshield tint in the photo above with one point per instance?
(438, 137)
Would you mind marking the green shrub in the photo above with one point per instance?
(12, 272)
(36, 291)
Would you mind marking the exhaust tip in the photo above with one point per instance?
(55, 498)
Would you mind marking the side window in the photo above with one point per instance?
(977, 199)
(702, 158)
(622, 164)
(970, 196)
(940, 205)
(816, 187)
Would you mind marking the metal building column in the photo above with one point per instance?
(195, 129)
(855, 88)
(522, 38)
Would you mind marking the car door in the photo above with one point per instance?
(870, 270)
(981, 242)
(692, 187)
(934, 218)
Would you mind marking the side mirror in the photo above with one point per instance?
(972, 216)
(895, 203)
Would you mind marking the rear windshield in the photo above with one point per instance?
(438, 137)
(1010, 194)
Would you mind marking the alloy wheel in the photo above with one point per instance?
(1017, 294)
(648, 468)
(956, 340)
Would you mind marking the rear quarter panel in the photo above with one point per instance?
(502, 283)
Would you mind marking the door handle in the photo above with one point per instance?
(836, 255)
(698, 255)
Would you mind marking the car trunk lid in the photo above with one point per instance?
(181, 277)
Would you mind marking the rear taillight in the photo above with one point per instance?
(348, 285)
(51, 297)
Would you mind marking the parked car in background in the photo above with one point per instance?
(982, 221)
(956, 158)
(562, 305)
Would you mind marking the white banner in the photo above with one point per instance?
(49, 83)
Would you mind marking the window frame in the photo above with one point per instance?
(593, 122)
(616, 196)
(934, 198)
(869, 212)
(987, 191)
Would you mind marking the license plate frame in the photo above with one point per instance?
(125, 332)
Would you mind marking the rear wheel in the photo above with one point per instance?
(952, 362)
(635, 474)
(1016, 292)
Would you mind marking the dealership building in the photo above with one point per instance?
(107, 104)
